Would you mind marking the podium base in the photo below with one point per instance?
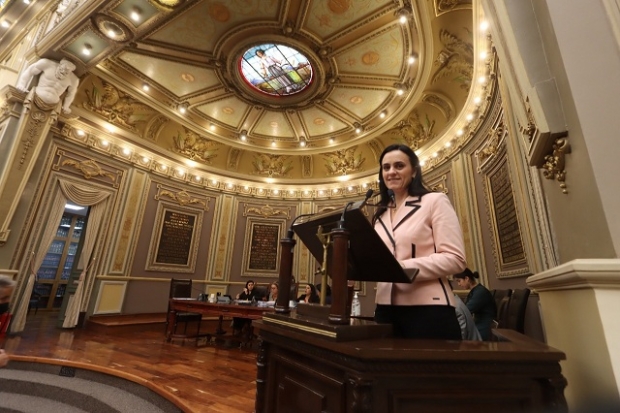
(300, 320)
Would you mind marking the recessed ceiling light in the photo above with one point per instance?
(87, 49)
(135, 14)
(6, 24)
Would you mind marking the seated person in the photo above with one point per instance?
(469, 331)
(248, 293)
(310, 295)
(328, 293)
(273, 291)
(479, 301)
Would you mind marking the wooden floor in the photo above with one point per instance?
(211, 378)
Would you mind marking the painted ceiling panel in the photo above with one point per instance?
(321, 122)
(181, 79)
(274, 124)
(360, 102)
(382, 55)
(331, 16)
(202, 26)
(229, 111)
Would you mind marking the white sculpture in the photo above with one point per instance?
(54, 80)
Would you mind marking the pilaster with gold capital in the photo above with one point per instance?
(25, 124)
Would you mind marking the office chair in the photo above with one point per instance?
(182, 288)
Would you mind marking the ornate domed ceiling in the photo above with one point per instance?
(279, 92)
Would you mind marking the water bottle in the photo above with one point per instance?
(356, 306)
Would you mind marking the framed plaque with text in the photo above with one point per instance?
(174, 244)
(262, 242)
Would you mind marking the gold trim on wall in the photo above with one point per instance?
(554, 166)
(154, 249)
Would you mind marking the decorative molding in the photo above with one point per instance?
(89, 168)
(182, 197)
(554, 166)
(265, 211)
(439, 185)
(343, 162)
(271, 165)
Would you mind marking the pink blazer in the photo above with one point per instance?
(426, 234)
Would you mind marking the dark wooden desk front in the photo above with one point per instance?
(212, 309)
(305, 373)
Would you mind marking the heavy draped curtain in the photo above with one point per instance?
(80, 195)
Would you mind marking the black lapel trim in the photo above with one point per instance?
(415, 205)
(388, 234)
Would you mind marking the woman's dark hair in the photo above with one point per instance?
(312, 289)
(467, 274)
(416, 187)
(248, 282)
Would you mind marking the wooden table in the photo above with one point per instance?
(219, 310)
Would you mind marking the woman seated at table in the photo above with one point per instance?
(249, 294)
(273, 291)
(310, 295)
(479, 301)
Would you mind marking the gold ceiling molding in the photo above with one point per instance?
(413, 131)
(445, 6)
(166, 4)
(234, 156)
(271, 165)
(343, 162)
(107, 25)
(456, 60)
(195, 147)
(554, 166)
(265, 211)
(116, 106)
(154, 127)
(441, 102)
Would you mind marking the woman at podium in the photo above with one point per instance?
(422, 230)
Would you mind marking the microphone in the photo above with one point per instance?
(366, 198)
(390, 193)
(290, 233)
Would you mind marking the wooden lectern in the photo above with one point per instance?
(319, 359)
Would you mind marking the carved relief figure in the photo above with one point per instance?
(455, 59)
(413, 131)
(55, 78)
(343, 162)
(116, 106)
(195, 147)
(271, 165)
